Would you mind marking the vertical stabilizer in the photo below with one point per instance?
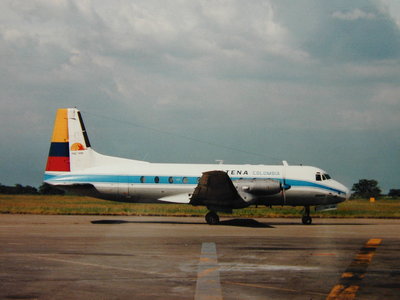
(70, 146)
(78, 138)
(81, 155)
(59, 158)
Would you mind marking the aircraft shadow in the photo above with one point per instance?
(251, 223)
(233, 222)
(316, 223)
(245, 223)
(110, 222)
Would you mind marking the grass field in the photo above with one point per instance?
(75, 205)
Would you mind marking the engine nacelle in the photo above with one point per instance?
(260, 187)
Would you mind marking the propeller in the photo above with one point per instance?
(285, 186)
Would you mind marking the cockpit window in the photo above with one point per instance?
(320, 177)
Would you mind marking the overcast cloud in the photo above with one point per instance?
(312, 82)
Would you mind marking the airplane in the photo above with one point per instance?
(74, 166)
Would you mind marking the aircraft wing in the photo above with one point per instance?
(216, 190)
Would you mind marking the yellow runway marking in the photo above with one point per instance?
(350, 280)
(342, 292)
(347, 275)
(374, 242)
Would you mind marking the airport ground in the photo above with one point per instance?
(127, 257)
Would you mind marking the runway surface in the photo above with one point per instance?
(98, 257)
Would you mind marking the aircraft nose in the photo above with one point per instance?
(345, 190)
(348, 194)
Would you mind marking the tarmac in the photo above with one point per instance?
(125, 257)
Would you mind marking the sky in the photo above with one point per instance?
(248, 82)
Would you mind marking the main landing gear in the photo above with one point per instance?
(212, 218)
(306, 219)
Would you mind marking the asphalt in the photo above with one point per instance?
(98, 257)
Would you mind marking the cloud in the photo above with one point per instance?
(176, 56)
(240, 72)
(391, 8)
(355, 14)
(357, 36)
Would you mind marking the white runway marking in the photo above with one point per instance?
(208, 285)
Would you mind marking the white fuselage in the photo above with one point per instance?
(139, 181)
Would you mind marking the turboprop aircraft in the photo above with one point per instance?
(73, 165)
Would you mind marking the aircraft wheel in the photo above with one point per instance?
(307, 220)
(212, 218)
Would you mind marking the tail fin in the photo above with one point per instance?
(69, 143)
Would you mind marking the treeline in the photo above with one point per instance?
(18, 189)
(367, 188)
(394, 193)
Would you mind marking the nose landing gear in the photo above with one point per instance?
(306, 219)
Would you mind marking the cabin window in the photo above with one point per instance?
(318, 177)
(171, 180)
(142, 179)
(156, 179)
(185, 180)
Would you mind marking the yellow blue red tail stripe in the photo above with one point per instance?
(58, 159)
